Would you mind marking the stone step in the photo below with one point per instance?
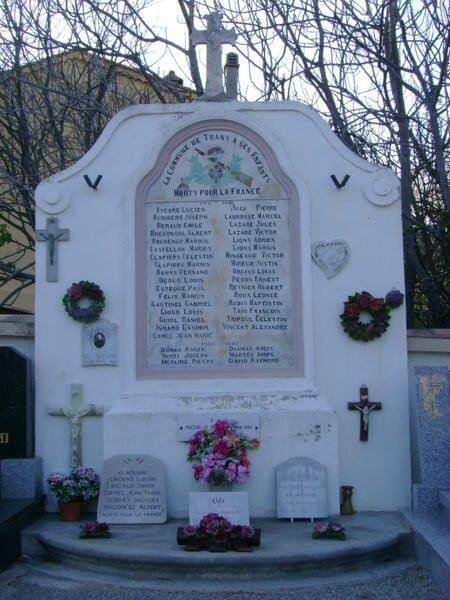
(287, 550)
(431, 545)
(15, 515)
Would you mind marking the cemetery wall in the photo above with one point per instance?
(429, 348)
(17, 331)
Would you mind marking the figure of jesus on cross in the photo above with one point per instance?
(364, 407)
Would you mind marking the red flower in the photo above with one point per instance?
(364, 299)
(75, 292)
(95, 293)
(351, 309)
(222, 447)
(376, 304)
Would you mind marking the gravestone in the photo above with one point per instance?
(231, 505)
(132, 490)
(16, 405)
(432, 413)
(301, 489)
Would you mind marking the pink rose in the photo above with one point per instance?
(74, 292)
(351, 309)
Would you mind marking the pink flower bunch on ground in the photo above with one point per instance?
(93, 529)
(328, 529)
(213, 526)
(220, 455)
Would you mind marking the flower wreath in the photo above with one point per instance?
(378, 309)
(90, 291)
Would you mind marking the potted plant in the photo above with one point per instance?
(72, 490)
(220, 455)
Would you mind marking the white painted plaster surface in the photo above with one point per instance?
(101, 249)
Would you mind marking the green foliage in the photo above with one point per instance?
(5, 236)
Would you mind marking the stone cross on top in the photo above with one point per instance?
(214, 37)
(75, 411)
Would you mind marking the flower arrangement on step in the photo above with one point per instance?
(81, 484)
(216, 534)
(220, 454)
(94, 529)
(328, 530)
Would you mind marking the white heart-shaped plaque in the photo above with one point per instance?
(330, 256)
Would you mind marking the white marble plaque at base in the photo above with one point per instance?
(247, 424)
(132, 490)
(301, 489)
(231, 505)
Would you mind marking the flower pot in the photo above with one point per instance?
(218, 546)
(70, 511)
(228, 487)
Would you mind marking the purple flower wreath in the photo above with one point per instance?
(379, 310)
(84, 290)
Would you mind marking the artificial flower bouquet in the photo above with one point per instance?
(216, 534)
(328, 530)
(81, 484)
(93, 529)
(220, 454)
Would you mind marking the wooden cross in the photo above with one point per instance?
(52, 235)
(75, 411)
(213, 37)
(364, 407)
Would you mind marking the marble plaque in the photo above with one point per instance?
(132, 490)
(330, 256)
(248, 424)
(221, 288)
(231, 505)
(301, 489)
(433, 424)
(99, 345)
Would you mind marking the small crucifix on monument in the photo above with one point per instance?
(364, 407)
(213, 37)
(52, 234)
(76, 411)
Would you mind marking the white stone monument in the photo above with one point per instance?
(200, 235)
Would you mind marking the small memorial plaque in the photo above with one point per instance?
(231, 505)
(188, 424)
(133, 490)
(301, 489)
(100, 344)
(331, 256)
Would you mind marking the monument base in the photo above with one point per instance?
(291, 425)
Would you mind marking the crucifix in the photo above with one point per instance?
(75, 411)
(213, 37)
(364, 407)
(52, 235)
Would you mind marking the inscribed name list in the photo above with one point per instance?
(133, 490)
(219, 275)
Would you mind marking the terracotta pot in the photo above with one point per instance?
(70, 511)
